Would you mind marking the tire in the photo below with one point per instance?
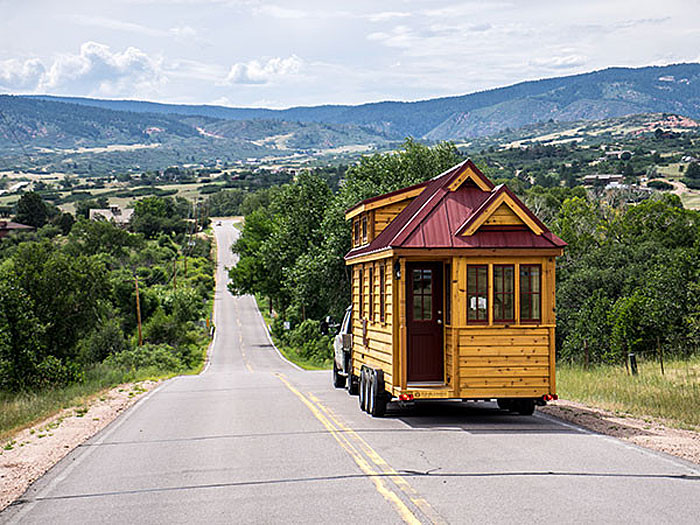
(338, 380)
(371, 392)
(505, 404)
(352, 384)
(377, 399)
(362, 391)
(525, 407)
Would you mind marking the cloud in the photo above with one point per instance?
(277, 11)
(560, 62)
(255, 72)
(387, 15)
(95, 70)
(20, 74)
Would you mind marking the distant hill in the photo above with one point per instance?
(591, 96)
(53, 134)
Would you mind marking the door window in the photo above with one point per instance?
(422, 294)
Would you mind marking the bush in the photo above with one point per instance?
(660, 185)
(105, 340)
(307, 340)
(693, 184)
(160, 357)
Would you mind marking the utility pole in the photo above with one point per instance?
(138, 309)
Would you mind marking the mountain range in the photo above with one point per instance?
(591, 96)
(170, 133)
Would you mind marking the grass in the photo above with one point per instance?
(290, 353)
(21, 410)
(674, 396)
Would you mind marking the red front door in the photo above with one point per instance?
(424, 321)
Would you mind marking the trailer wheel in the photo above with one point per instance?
(377, 399)
(525, 407)
(505, 404)
(362, 390)
(338, 380)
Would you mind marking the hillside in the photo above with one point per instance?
(56, 135)
(591, 96)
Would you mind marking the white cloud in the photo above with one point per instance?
(96, 70)
(277, 11)
(560, 62)
(387, 15)
(20, 74)
(255, 72)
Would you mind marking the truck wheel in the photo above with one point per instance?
(525, 407)
(352, 384)
(338, 380)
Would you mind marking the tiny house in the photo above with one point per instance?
(453, 289)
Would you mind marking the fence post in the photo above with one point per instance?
(633, 363)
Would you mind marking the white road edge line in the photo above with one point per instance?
(678, 462)
(83, 454)
(269, 337)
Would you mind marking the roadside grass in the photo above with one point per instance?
(290, 353)
(21, 410)
(674, 396)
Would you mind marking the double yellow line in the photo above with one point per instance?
(369, 461)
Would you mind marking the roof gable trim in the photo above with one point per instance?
(470, 172)
(501, 196)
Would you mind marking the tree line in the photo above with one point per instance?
(628, 281)
(68, 297)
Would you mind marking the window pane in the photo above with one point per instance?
(417, 282)
(427, 307)
(535, 315)
(508, 311)
(417, 307)
(483, 273)
(508, 278)
(482, 314)
(427, 281)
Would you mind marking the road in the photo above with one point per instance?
(255, 440)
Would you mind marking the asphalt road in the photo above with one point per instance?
(255, 440)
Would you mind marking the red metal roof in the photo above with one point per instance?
(435, 218)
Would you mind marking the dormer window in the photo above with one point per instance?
(356, 240)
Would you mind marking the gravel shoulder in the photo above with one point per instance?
(647, 432)
(33, 451)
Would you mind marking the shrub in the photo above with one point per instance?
(660, 185)
(105, 340)
(160, 357)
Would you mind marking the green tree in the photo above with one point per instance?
(32, 210)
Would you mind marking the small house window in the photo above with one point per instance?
(382, 293)
(477, 293)
(448, 294)
(530, 293)
(503, 293)
(371, 293)
(364, 229)
(356, 240)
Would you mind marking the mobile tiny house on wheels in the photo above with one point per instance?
(452, 296)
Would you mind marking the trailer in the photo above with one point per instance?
(453, 297)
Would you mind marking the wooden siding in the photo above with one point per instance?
(384, 215)
(379, 350)
(503, 216)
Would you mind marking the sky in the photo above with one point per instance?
(255, 53)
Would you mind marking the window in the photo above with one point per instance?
(477, 293)
(448, 294)
(361, 291)
(422, 294)
(356, 240)
(364, 229)
(371, 293)
(530, 293)
(382, 293)
(503, 293)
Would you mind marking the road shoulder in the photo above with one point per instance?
(30, 453)
(647, 432)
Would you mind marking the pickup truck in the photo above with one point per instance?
(342, 359)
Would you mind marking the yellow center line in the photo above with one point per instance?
(381, 486)
(411, 493)
(243, 354)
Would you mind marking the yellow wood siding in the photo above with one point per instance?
(503, 216)
(384, 215)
